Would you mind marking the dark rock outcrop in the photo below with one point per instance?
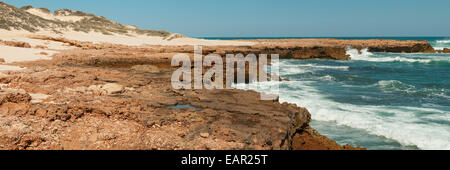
(445, 50)
(416, 48)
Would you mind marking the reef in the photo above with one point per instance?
(313, 48)
(445, 50)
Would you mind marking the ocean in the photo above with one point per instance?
(379, 101)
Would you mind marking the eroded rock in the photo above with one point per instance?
(14, 97)
(112, 88)
(79, 113)
(146, 68)
(445, 50)
(15, 44)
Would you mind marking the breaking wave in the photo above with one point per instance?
(400, 125)
(443, 41)
(324, 66)
(441, 44)
(365, 55)
(329, 94)
(394, 85)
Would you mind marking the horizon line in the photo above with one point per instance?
(311, 36)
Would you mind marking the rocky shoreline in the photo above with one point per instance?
(315, 48)
(107, 96)
(445, 50)
(74, 80)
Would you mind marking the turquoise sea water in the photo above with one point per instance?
(380, 101)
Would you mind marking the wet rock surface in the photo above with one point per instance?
(445, 50)
(110, 99)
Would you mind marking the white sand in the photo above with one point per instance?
(136, 39)
(23, 36)
(8, 68)
(17, 54)
(96, 37)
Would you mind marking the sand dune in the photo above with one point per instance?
(17, 54)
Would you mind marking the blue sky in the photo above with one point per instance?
(250, 18)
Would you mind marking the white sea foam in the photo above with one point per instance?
(443, 95)
(357, 55)
(327, 78)
(365, 55)
(443, 41)
(324, 66)
(402, 126)
(292, 71)
(395, 85)
(441, 44)
(410, 126)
